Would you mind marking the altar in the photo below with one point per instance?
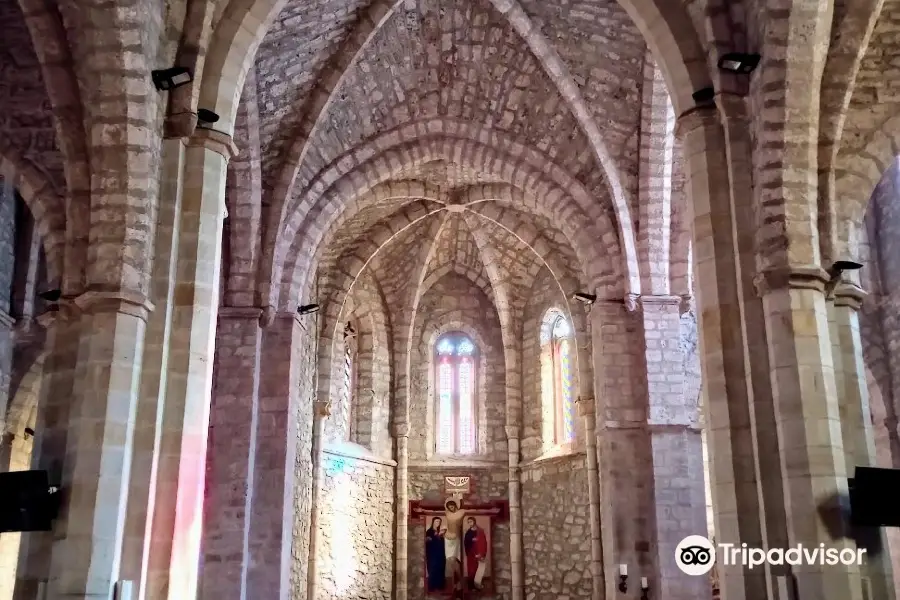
(458, 541)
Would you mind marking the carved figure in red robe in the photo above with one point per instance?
(476, 546)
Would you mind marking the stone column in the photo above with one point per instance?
(625, 462)
(516, 548)
(87, 552)
(322, 411)
(231, 455)
(856, 415)
(138, 544)
(586, 407)
(808, 420)
(51, 429)
(7, 340)
(173, 567)
(279, 535)
(401, 569)
(676, 449)
(739, 412)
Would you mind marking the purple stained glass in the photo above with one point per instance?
(466, 412)
(568, 403)
(445, 408)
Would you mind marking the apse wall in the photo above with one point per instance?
(454, 303)
(556, 529)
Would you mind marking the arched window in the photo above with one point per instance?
(455, 374)
(557, 378)
(348, 380)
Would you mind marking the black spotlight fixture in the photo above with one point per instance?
(169, 79)
(51, 295)
(584, 298)
(308, 309)
(206, 117)
(704, 96)
(838, 268)
(29, 431)
(738, 62)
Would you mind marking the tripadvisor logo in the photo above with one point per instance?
(696, 555)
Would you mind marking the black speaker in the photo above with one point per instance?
(873, 497)
(27, 502)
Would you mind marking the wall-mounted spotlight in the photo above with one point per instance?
(645, 589)
(51, 295)
(738, 62)
(584, 298)
(206, 117)
(623, 578)
(704, 96)
(308, 309)
(29, 431)
(168, 79)
(837, 269)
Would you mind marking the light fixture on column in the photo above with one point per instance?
(645, 589)
(584, 297)
(206, 117)
(308, 309)
(738, 62)
(838, 268)
(51, 295)
(169, 79)
(29, 431)
(704, 97)
(623, 578)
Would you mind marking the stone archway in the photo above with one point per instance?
(15, 455)
(883, 459)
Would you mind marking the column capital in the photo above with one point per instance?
(694, 119)
(512, 432)
(240, 313)
(631, 301)
(321, 409)
(215, 141)
(804, 277)
(400, 430)
(64, 310)
(125, 302)
(849, 294)
(586, 406)
(180, 125)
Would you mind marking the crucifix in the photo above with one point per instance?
(463, 546)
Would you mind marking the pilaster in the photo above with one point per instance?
(321, 411)
(401, 548)
(808, 419)
(856, 415)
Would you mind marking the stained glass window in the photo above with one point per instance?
(557, 378)
(455, 390)
(348, 380)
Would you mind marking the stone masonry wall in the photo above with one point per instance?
(7, 243)
(556, 529)
(354, 548)
(426, 483)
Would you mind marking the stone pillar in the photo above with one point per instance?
(87, 550)
(321, 411)
(139, 544)
(51, 430)
(623, 442)
(173, 567)
(803, 382)
(278, 538)
(7, 341)
(739, 412)
(231, 455)
(516, 548)
(676, 449)
(856, 415)
(586, 407)
(401, 569)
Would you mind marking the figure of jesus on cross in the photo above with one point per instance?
(454, 515)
